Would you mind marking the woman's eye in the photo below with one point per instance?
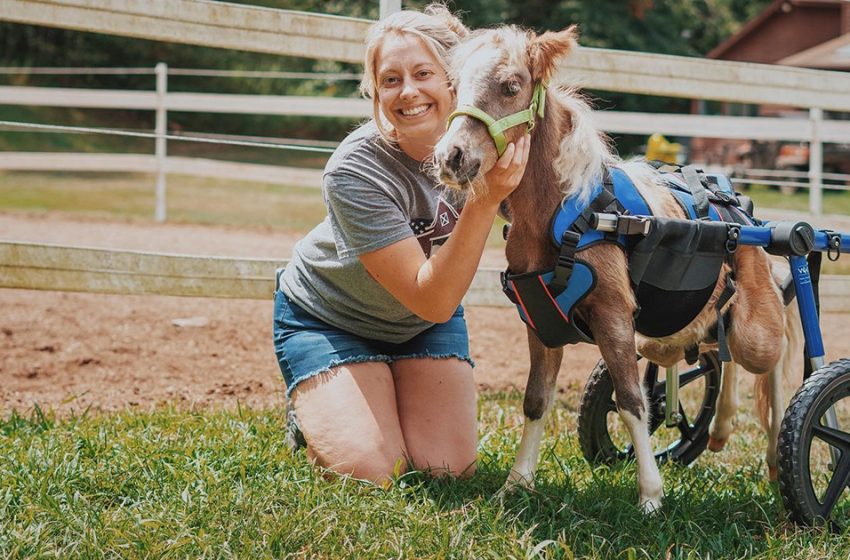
(511, 88)
(425, 73)
(390, 80)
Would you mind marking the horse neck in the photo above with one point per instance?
(539, 193)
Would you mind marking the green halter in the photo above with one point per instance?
(497, 128)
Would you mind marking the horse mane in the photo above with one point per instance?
(584, 150)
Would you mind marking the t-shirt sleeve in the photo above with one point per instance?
(364, 217)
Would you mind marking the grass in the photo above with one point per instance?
(834, 201)
(190, 200)
(179, 484)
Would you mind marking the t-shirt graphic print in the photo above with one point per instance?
(431, 234)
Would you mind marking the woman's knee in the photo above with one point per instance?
(456, 462)
(372, 463)
(350, 422)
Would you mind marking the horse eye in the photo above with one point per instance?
(511, 88)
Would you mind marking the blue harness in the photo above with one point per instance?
(546, 300)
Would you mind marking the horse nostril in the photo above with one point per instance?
(473, 169)
(455, 158)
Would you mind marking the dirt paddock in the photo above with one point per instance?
(71, 351)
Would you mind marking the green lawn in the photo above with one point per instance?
(182, 484)
(834, 201)
(190, 199)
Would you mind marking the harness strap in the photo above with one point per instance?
(692, 179)
(725, 295)
(604, 202)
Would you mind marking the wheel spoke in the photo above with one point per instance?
(836, 438)
(690, 376)
(837, 484)
(659, 388)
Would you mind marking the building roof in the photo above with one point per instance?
(832, 55)
(777, 7)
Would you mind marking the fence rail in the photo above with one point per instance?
(288, 33)
(35, 266)
(142, 163)
(622, 122)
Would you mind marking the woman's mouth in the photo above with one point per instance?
(413, 112)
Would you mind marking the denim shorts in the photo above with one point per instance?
(306, 346)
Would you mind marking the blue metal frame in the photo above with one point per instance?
(806, 301)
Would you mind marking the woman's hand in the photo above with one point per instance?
(506, 175)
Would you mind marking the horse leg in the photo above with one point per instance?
(758, 304)
(609, 311)
(614, 334)
(727, 405)
(769, 392)
(539, 397)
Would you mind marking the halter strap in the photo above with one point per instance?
(497, 128)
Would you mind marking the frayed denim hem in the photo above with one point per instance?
(382, 358)
(460, 357)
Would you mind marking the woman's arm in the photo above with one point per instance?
(432, 288)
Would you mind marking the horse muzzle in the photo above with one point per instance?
(458, 167)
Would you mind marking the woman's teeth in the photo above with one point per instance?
(414, 111)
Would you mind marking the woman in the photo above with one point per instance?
(368, 328)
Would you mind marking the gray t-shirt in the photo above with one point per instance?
(376, 195)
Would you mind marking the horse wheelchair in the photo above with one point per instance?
(814, 439)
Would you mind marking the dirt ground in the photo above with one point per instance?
(69, 352)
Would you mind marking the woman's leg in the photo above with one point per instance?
(350, 421)
(437, 410)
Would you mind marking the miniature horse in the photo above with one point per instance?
(497, 73)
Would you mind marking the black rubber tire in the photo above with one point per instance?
(823, 388)
(597, 403)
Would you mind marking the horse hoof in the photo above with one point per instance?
(772, 473)
(517, 481)
(716, 444)
(650, 506)
(512, 485)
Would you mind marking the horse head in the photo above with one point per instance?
(500, 78)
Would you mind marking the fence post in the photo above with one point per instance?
(161, 128)
(389, 7)
(816, 162)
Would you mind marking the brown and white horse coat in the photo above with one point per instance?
(567, 156)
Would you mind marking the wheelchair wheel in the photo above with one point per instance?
(814, 449)
(604, 438)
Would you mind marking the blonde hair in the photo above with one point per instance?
(436, 26)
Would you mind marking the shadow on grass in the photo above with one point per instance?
(594, 511)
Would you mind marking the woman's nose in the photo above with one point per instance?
(409, 90)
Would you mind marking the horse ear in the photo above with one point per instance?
(545, 51)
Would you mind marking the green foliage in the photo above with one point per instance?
(179, 484)
(683, 27)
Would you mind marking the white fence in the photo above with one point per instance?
(252, 28)
(814, 130)
(217, 24)
(54, 267)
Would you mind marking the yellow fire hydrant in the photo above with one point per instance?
(659, 148)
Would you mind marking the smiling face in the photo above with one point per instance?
(413, 93)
